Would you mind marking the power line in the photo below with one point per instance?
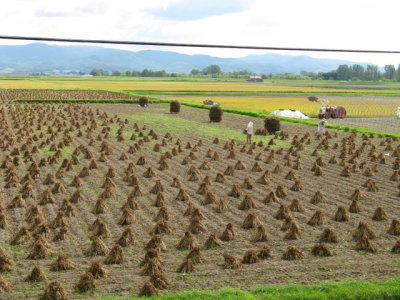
(163, 44)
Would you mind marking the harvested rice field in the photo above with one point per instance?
(120, 200)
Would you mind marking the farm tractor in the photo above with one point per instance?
(326, 111)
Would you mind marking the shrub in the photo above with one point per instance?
(174, 107)
(272, 124)
(143, 101)
(216, 113)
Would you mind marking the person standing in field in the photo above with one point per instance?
(321, 126)
(249, 132)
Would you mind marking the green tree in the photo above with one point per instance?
(398, 73)
(195, 72)
(344, 72)
(390, 72)
(212, 69)
(358, 72)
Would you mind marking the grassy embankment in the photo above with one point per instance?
(347, 290)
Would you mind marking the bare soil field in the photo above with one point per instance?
(78, 179)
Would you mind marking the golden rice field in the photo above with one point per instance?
(355, 106)
(132, 85)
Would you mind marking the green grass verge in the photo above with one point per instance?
(244, 112)
(348, 290)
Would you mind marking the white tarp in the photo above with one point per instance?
(290, 113)
(398, 112)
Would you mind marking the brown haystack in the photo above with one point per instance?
(293, 233)
(287, 223)
(394, 228)
(231, 262)
(396, 248)
(251, 221)
(97, 248)
(297, 186)
(176, 182)
(5, 286)
(283, 212)
(127, 217)
(256, 167)
(196, 225)
(186, 266)
(97, 270)
(220, 177)
(296, 205)
(182, 195)
(158, 187)
(250, 257)
(292, 253)
(196, 256)
(187, 242)
(115, 256)
(155, 243)
(328, 236)
(54, 291)
(22, 235)
(318, 197)
(271, 197)
(379, 214)
(363, 230)
(39, 250)
(236, 192)
(229, 171)
(212, 242)
(280, 192)
(247, 203)
(86, 282)
(77, 196)
(354, 207)
(161, 227)
(261, 235)
(318, 218)
(5, 262)
(341, 214)
(228, 234)
(357, 195)
(321, 250)
(36, 275)
(127, 238)
(159, 280)
(209, 198)
(365, 244)
(62, 263)
(291, 175)
(264, 253)
(99, 207)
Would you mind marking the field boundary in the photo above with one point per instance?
(244, 112)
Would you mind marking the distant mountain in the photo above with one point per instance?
(40, 57)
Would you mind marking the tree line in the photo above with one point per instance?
(344, 72)
(357, 73)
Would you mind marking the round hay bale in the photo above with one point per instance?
(272, 124)
(174, 107)
(216, 113)
(143, 101)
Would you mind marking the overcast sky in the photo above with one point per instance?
(346, 24)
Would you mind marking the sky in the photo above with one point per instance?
(337, 24)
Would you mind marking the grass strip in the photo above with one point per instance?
(347, 290)
(244, 112)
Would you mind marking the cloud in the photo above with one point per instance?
(43, 13)
(195, 10)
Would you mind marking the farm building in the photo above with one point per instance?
(255, 78)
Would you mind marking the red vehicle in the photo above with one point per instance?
(334, 112)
